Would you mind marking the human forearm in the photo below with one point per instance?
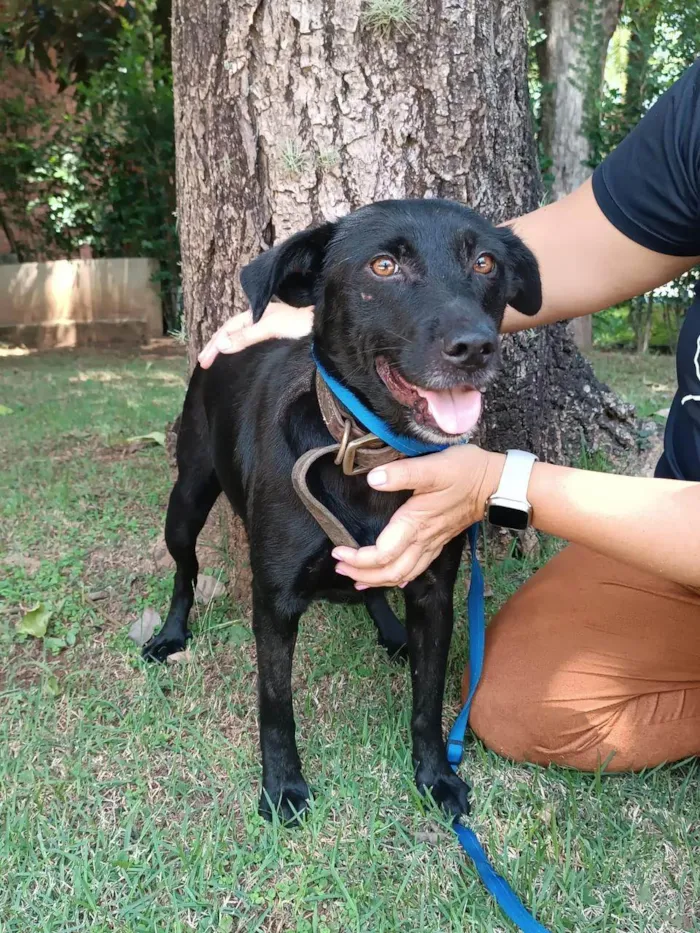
(586, 264)
(653, 524)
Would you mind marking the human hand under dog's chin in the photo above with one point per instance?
(450, 490)
(239, 332)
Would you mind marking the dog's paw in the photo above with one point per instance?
(290, 800)
(162, 645)
(450, 792)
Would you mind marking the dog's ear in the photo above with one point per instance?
(289, 271)
(525, 287)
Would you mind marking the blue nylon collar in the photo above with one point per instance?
(409, 446)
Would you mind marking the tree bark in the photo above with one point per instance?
(294, 111)
(571, 62)
(642, 318)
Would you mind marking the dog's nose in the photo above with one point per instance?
(468, 348)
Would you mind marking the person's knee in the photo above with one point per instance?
(506, 721)
(581, 733)
(526, 707)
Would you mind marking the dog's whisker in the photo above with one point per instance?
(400, 336)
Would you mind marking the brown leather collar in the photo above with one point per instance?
(359, 451)
(356, 450)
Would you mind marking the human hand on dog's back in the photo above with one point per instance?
(239, 332)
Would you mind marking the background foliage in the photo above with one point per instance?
(653, 44)
(96, 165)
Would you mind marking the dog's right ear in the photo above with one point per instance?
(290, 271)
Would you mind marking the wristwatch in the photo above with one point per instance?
(508, 507)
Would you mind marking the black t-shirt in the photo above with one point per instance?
(649, 188)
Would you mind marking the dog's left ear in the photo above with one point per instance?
(524, 287)
(290, 271)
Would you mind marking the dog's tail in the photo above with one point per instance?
(392, 632)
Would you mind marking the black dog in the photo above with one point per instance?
(409, 296)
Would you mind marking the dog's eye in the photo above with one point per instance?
(484, 264)
(384, 266)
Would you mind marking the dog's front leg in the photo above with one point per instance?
(429, 622)
(283, 785)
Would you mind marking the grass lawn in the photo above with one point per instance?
(128, 792)
(649, 382)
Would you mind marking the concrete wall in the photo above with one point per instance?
(79, 302)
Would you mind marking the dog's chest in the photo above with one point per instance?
(364, 513)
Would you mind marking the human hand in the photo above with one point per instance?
(450, 490)
(239, 332)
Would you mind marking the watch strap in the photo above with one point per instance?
(515, 477)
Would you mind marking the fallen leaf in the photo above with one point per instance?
(430, 839)
(35, 622)
(663, 412)
(142, 629)
(4, 410)
(96, 595)
(180, 657)
(155, 437)
(208, 588)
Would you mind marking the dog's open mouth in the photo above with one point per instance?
(453, 411)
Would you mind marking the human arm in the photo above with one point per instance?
(652, 524)
(586, 263)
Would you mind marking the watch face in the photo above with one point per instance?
(506, 517)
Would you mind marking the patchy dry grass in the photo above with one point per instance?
(128, 793)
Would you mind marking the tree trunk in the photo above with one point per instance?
(642, 317)
(582, 332)
(571, 62)
(294, 111)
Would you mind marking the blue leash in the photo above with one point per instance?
(498, 887)
(495, 884)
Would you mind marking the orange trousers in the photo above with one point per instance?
(592, 663)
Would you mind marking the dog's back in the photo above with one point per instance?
(237, 412)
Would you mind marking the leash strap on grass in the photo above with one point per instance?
(497, 886)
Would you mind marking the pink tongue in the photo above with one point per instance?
(456, 411)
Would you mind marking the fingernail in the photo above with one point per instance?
(402, 585)
(340, 553)
(341, 570)
(377, 478)
(361, 586)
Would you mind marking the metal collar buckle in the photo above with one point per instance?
(347, 449)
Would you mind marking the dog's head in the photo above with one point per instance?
(409, 298)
